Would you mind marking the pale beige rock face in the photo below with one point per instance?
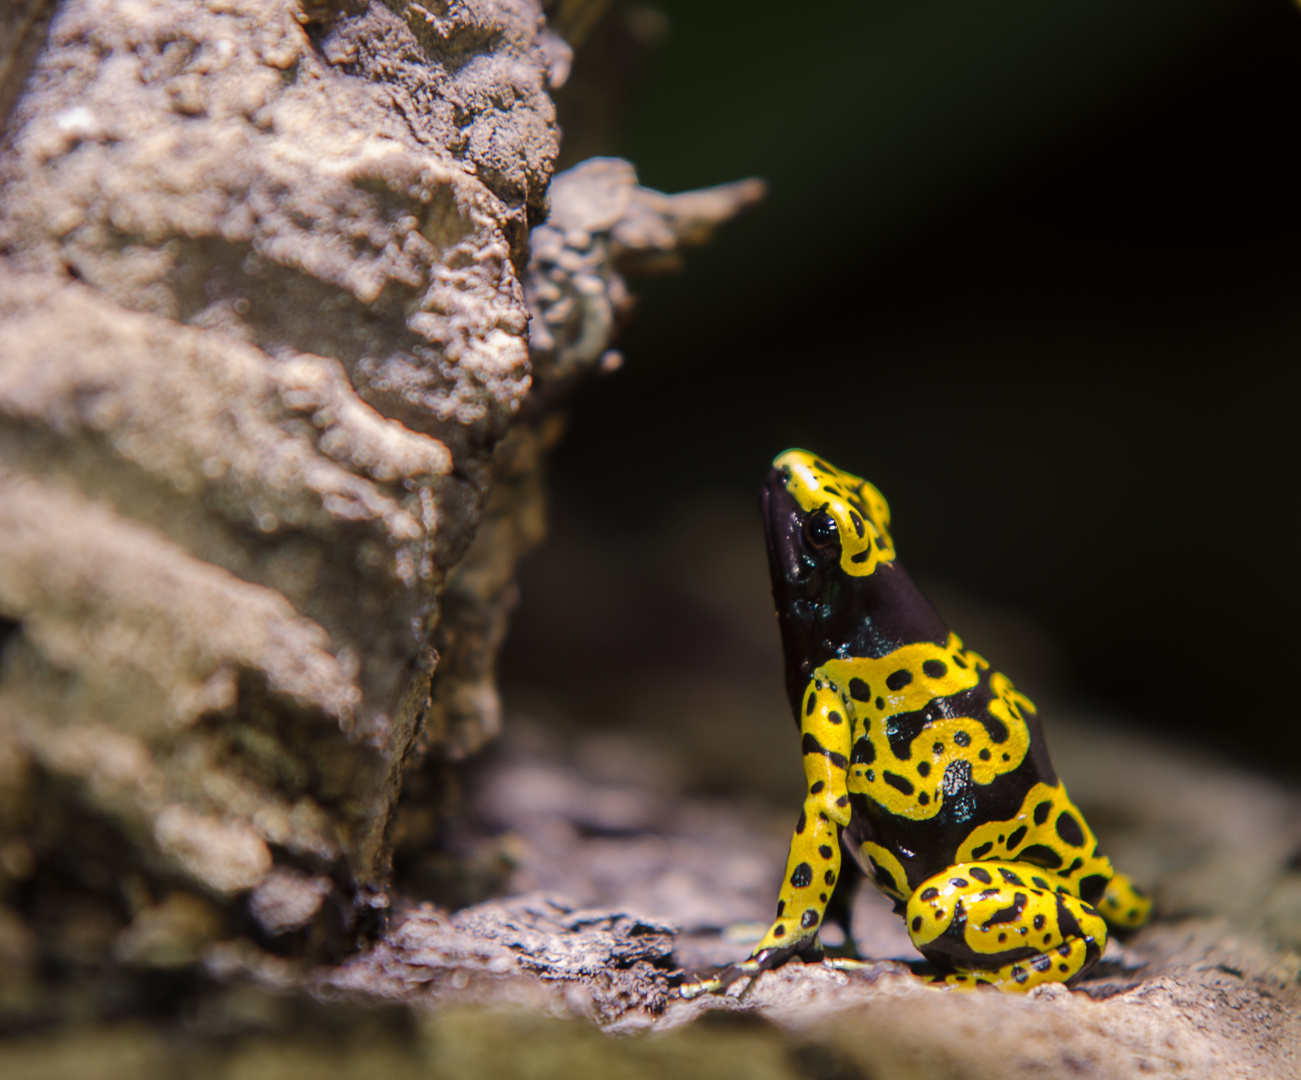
(261, 329)
(264, 356)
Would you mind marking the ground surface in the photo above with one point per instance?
(616, 881)
(621, 882)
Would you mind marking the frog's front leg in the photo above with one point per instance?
(813, 866)
(1004, 923)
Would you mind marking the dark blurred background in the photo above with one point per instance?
(1035, 270)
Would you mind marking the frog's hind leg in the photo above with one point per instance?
(1124, 905)
(1003, 923)
(1057, 965)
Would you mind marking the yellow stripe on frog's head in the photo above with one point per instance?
(860, 512)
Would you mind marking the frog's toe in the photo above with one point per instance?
(851, 964)
(704, 986)
(1124, 904)
(720, 982)
(964, 980)
(763, 960)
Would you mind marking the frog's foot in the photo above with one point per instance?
(1124, 905)
(851, 964)
(762, 960)
(1004, 923)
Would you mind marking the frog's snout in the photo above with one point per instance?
(782, 521)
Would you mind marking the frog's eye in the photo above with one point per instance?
(820, 530)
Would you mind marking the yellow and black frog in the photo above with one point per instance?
(925, 765)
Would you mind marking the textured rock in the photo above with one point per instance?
(264, 374)
(613, 964)
(520, 986)
(1210, 989)
(602, 226)
(262, 327)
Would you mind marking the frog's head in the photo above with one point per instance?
(830, 553)
(842, 519)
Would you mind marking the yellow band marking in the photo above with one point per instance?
(875, 690)
(860, 511)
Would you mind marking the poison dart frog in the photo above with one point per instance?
(927, 766)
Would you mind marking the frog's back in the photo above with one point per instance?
(943, 745)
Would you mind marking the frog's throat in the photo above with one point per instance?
(860, 512)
